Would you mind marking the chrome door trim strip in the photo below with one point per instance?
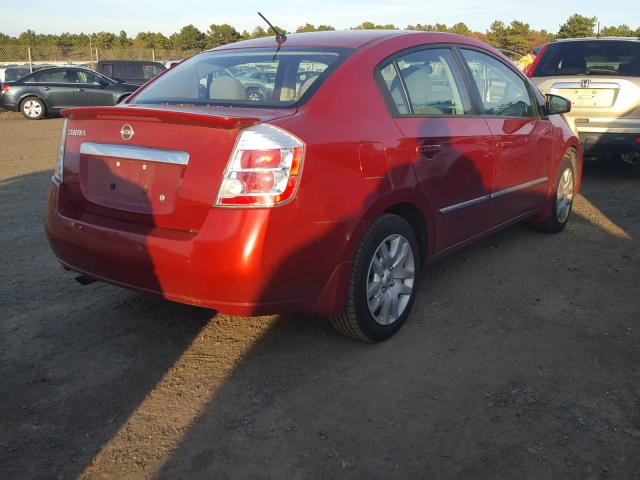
(484, 198)
(519, 187)
(131, 152)
(468, 203)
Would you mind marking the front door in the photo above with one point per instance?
(522, 139)
(90, 92)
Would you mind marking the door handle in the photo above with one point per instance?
(46, 89)
(503, 144)
(428, 150)
(79, 89)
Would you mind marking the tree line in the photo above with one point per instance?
(516, 36)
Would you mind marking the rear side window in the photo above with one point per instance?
(431, 81)
(245, 77)
(394, 87)
(128, 70)
(55, 76)
(107, 69)
(502, 92)
(590, 57)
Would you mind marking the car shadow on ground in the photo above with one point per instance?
(75, 361)
(497, 373)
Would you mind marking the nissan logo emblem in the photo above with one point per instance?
(126, 132)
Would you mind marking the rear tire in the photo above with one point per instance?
(383, 282)
(564, 192)
(33, 108)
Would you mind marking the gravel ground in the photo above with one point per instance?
(521, 360)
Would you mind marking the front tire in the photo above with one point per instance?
(562, 199)
(33, 108)
(383, 282)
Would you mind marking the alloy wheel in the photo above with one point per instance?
(32, 109)
(390, 279)
(564, 195)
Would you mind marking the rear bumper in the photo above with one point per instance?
(609, 144)
(241, 262)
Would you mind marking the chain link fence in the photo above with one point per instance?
(33, 56)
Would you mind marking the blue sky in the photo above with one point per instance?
(167, 16)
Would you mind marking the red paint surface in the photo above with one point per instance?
(296, 256)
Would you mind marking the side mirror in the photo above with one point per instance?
(556, 104)
(103, 82)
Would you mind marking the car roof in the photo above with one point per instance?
(331, 39)
(584, 39)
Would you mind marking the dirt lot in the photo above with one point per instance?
(521, 360)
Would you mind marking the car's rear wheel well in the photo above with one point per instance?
(415, 218)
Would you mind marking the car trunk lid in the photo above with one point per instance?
(158, 166)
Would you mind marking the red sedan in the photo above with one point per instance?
(367, 155)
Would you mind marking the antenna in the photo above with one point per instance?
(280, 36)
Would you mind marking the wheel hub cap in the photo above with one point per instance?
(564, 195)
(390, 279)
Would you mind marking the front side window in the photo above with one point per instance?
(244, 77)
(502, 92)
(87, 77)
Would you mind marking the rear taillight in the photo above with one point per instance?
(536, 60)
(6, 88)
(263, 170)
(57, 174)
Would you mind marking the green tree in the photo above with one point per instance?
(460, 28)
(307, 27)
(497, 34)
(619, 31)
(259, 32)
(188, 38)
(373, 26)
(104, 40)
(123, 41)
(518, 34)
(577, 26)
(221, 35)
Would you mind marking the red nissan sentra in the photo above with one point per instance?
(320, 175)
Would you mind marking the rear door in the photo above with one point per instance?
(129, 72)
(523, 139)
(450, 147)
(56, 87)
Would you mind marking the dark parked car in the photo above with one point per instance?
(131, 71)
(48, 91)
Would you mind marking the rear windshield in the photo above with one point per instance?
(247, 77)
(597, 57)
